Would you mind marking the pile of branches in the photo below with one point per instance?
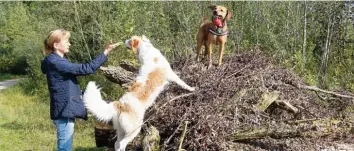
(246, 99)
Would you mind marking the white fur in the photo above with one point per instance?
(128, 124)
(94, 103)
(146, 56)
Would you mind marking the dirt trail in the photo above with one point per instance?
(8, 83)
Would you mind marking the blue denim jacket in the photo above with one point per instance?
(63, 85)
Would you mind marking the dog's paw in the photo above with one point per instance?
(209, 66)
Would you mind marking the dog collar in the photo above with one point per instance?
(218, 33)
(218, 29)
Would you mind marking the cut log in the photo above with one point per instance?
(104, 134)
(267, 99)
(272, 97)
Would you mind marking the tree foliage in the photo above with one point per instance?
(321, 51)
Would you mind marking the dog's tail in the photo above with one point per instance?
(96, 105)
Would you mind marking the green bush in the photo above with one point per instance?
(172, 26)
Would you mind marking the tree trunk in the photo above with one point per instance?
(257, 25)
(325, 55)
(304, 44)
(287, 35)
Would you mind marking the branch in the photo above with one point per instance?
(182, 136)
(155, 110)
(172, 135)
(81, 31)
(287, 105)
(315, 128)
(313, 88)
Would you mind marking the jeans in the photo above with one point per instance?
(65, 133)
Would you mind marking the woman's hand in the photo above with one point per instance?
(111, 46)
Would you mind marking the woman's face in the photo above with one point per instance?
(62, 46)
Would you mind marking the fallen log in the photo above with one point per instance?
(128, 66)
(118, 74)
(313, 128)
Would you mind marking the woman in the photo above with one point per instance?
(65, 95)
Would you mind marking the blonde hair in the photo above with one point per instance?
(54, 36)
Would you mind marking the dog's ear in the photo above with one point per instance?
(212, 7)
(228, 15)
(134, 44)
(144, 38)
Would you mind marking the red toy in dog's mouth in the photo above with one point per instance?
(217, 21)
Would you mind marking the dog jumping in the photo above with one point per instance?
(214, 32)
(128, 112)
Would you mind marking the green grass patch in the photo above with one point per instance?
(25, 124)
(6, 76)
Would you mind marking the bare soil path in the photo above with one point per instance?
(8, 83)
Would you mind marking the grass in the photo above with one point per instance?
(6, 76)
(25, 124)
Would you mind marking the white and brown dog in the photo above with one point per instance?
(128, 112)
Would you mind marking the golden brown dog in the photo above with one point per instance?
(214, 32)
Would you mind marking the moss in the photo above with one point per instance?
(151, 139)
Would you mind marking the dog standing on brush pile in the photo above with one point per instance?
(127, 114)
(214, 32)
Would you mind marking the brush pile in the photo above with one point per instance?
(248, 103)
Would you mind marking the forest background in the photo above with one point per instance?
(313, 39)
